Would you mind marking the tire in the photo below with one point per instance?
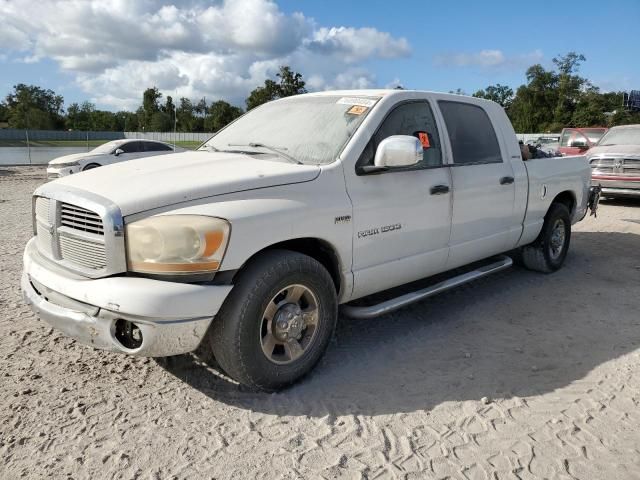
(91, 166)
(246, 335)
(548, 252)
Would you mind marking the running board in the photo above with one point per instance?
(372, 311)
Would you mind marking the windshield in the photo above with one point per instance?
(309, 129)
(594, 134)
(106, 147)
(622, 136)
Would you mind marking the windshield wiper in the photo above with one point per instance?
(208, 147)
(276, 150)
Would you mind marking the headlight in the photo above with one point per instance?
(176, 244)
(66, 164)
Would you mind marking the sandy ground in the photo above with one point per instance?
(556, 356)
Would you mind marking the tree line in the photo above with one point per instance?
(549, 100)
(559, 97)
(32, 107)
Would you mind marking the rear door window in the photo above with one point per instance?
(156, 147)
(473, 139)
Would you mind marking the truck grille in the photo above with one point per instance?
(78, 218)
(83, 253)
(69, 234)
(615, 166)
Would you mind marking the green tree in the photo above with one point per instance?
(262, 94)
(501, 94)
(150, 106)
(29, 106)
(160, 122)
(220, 114)
(4, 112)
(289, 83)
(186, 120)
(126, 121)
(589, 109)
(570, 86)
(533, 106)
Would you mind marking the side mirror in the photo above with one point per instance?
(581, 144)
(398, 151)
(118, 152)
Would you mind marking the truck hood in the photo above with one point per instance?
(152, 182)
(74, 156)
(616, 150)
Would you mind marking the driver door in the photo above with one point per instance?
(131, 150)
(401, 217)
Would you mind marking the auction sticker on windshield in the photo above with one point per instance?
(357, 110)
(362, 102)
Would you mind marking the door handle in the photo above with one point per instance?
(439, 189)
(506, 180)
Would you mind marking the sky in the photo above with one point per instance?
(108, 52)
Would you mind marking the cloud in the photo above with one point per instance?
(224, 49)
(488, 59)
(356, 44)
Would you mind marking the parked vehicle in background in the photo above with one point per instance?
(575, 141)
(615, 162)
(547, 143)
(108, 153)
(302, 204)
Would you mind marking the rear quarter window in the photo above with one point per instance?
(473, 139)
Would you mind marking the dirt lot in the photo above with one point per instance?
(520, 375)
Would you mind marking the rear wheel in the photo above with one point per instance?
(548, 252)
(277, 321)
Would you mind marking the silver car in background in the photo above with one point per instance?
(615, 162)
(111, 152)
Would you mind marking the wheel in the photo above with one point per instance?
(277, 321)
(548, 252)
(90, 166)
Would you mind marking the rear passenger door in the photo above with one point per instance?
(483, 185)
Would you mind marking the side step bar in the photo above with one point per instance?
(372, 311)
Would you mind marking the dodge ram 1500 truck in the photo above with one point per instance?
(301, 205)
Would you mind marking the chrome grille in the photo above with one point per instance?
(616, 166)
(83, 252)
(601, 162)
(71, 235)
(42, 209)
(44, 239)
(78, 218)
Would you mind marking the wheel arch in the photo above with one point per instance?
(566, 198)
(321, 250)
(91, 165)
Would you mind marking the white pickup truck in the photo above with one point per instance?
(303, 204)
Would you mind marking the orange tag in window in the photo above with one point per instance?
(424, 139)
(357, 110)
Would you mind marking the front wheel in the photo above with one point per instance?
(277, 321)
(91, 166)
(548, 252)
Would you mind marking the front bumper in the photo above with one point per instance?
(617, 186)
(172, 317)
(57, 172)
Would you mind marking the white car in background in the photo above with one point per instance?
(111, 152)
